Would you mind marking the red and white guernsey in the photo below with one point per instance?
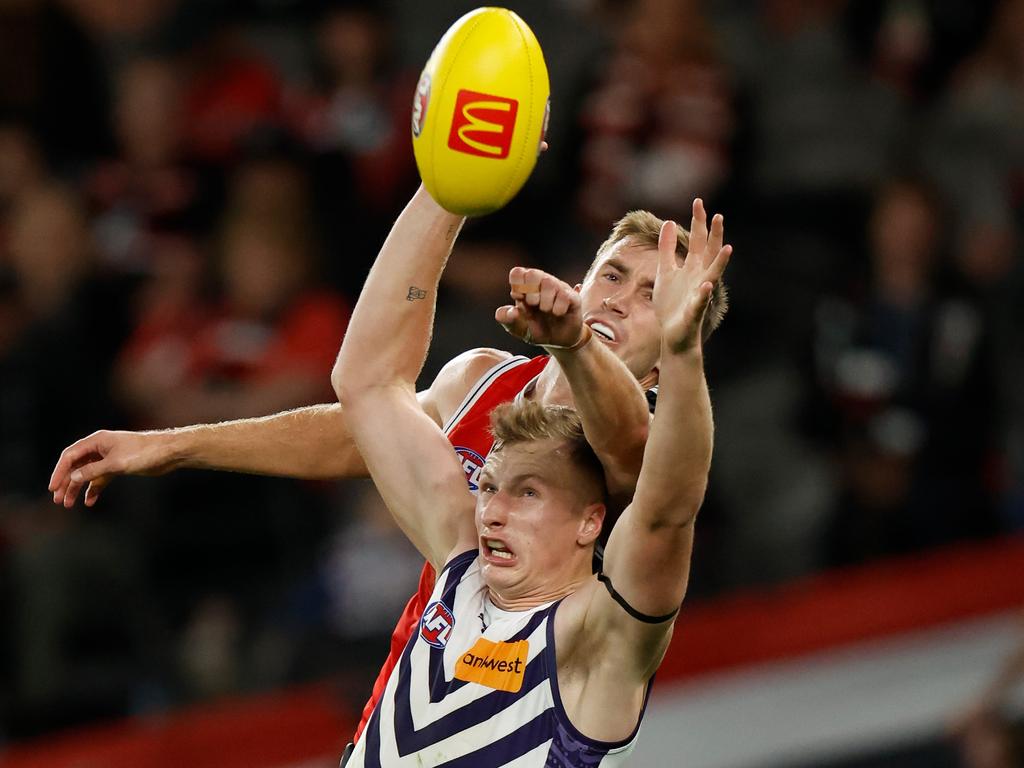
(469, 431)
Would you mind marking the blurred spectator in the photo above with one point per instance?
(906, 391)
(61, 325)
(356, 123)
(150, 186)
(657, 125)
(820, 127)
(231, 93)
(51, 78)
(268, 346)
(78, 658)
(21, 164)
(913, 45)
(364, 578)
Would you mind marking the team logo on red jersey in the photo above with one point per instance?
(437, 624)
(483, 124)
(472, 465)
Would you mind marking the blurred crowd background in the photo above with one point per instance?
(191, 193)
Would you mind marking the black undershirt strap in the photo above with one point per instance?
(629, 608)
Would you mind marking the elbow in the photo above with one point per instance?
(349, 380)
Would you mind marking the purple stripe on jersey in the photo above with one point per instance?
(508, 748)
(576, 746)
(411, 740)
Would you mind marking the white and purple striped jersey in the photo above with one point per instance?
(477, 687)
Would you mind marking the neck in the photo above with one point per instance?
(509, 602)
(552, 387)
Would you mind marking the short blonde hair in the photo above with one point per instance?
(525, 421)
(644, 228)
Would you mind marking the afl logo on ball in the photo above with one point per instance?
(437, 624)
(419, 104)
(472, 464)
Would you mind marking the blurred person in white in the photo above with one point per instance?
(658, 122)
(989, 732)
(903, 366)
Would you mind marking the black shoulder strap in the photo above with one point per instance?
(629, 608)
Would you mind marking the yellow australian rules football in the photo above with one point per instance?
(480, 112)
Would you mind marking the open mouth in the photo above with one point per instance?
(497, 549)
(605, 332)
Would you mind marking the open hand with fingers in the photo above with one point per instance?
(682, 292)
(94, 461)
(545, 311)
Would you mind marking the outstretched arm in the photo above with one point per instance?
(648, 553)
(310, 443)
(610, 402)
(410, 460)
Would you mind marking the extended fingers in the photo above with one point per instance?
(717, 268)
(716, 238)
(698, 227)
(667, 247)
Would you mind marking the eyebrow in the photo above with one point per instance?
(620, 267)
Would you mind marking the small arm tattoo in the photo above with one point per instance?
(415, 294)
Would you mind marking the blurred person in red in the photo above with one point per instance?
(266, 347)
(658, 124)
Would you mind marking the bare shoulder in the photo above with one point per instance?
(458, 376)
(590, 625)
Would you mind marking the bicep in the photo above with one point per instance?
(648, 567)
(414, 468)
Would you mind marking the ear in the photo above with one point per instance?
(578, 287)
(591, 524)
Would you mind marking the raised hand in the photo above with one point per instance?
(545, 310)
(682, 292)
(94, 461)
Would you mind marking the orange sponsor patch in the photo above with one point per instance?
(496, 665)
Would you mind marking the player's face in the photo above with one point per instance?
(534, 529)
(617, 302)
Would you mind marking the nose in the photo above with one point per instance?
(494, 514)
(616, 303)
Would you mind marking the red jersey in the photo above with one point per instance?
(469, 431)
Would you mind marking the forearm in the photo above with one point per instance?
(677, 458)
(389, 334)
(310, 443)
(613, 410)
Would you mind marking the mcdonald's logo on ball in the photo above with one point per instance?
(480, 112)
(483, 125)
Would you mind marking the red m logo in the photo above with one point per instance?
(482, 124)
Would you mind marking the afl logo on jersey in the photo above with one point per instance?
(437, 624)
(472, 465)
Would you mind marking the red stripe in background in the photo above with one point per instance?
(827, 611)
(847, 606)
(280, 729)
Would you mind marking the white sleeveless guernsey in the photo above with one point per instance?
(476, 687)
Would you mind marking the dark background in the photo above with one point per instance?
(191, 193)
